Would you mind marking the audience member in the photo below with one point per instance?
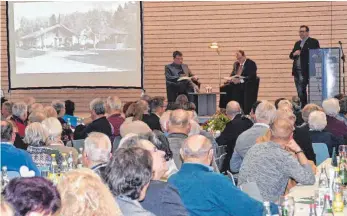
(157, 107)
(277, 101)
(97, 152)
(69, 113)
(134, 112)
(270, 166)
(197, 186)
(36, 116)
(126, 106)
(18, 141)
(36, 107)
(146, 98)
(50, 112)
(164, 121)
(19, 116)
(306, 111)
(6, 110)
(238, 124)
(11, 157)
(99, 124)
(264, 115)
(335, 126)
(84, 194)
(343, 109)
(54, 137)
(59, 107)
(252, 113)
(136, 127)
(178, 129)
(181, 100)
(297, 110)
(128, 175)
(114, 110)
(33, 196)
(317, 122)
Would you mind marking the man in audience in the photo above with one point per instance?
(238, 124)
(19, 116)
(114, 109)
(12, 157)
(97, 152)
(178, 128)
(50, 112)
(36, 107)
(270, 166)
(99, 124)
(264, 115)
(157, 106)
(6, 109)
(207, 193)
(59, 107)
(164, 120)
(36, 116)
(335, 126)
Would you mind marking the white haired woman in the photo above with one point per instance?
(19, 116)
(317, 122)
(54, 137)
(337, 127)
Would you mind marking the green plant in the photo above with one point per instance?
(216, 123)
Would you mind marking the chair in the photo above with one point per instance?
(76, 144)
(230, 175)
(13, 174)
(251, 188)
(220, 161)
(321, 151)
(220, 150)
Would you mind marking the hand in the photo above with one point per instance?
(293, 146)
(236, 80)
(296, 53)
(195, 78)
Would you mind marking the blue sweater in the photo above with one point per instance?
(204, 192)
(14, 158)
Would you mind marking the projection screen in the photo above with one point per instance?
(74, 44)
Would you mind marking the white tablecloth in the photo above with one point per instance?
(303, 191)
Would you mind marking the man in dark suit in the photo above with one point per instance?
(235, 87)
(300, 57)
(157, 106)
(232, 130)
(173, 72)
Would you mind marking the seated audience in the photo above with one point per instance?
(50, 112)
(128, 175)
(317, 122)
(335, 126)
(84, 194)
(196, 184)
(97, 152)
(6, 110)
(19, 116)
(54, 137)
(343, 109)
(11, 157)
(164, 120)
(238, 124)
(33, 196)
(35, 137)
(157, 107)
(36, 116)
(114, 110)
(264, 115)
(136, 127)
(36, 107)
(69, 113)
(270, 166)
(18, 141)
(99, 124)
(178, 129)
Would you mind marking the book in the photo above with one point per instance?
(234, 77)
(184, 78)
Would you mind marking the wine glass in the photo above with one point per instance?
(286, 205)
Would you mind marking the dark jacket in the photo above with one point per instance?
(162, 199)
(101, 125)
(229, 136)
(302, 137)
(174, 71)
(249, 69)
(152, 120)
(310, 43)
(328, 138)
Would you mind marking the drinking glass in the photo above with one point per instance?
(342, 150)
(286, 206)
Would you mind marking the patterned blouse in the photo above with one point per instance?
(42, 156)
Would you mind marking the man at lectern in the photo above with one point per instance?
(300, 57)
(244, 70)
(179, 79)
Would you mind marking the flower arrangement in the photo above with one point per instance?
(216, 123)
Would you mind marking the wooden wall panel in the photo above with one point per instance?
(266, 31)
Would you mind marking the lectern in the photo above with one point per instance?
(206, 103)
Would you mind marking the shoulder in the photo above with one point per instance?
(250, 61)
(313, 39)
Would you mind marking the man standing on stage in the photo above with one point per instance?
(173, 72)
(300, 55)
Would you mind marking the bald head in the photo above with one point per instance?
(197, 148)
(179, 122)
(233, 108)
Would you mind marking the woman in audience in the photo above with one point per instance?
(18, 142)
(128, 175)
(84, 194)
(35, 137)
(66, 135)
(54, 137)
(335, 126)
(317, 122)
(36, 116)
(69, 113)
(181, 100)
(305, 112)
(19, 116)
(50, 112)
(32, 196)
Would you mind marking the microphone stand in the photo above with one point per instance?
(343, 57)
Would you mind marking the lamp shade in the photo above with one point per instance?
(214, 45)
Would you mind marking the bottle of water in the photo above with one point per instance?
(64, 164)
(323, 181)
(53, 170)
(68, 123)
(70, 163)
(267, 210)
(312, 210)
(334, 183)
(327, 209)
(4, 177)
(79, 159)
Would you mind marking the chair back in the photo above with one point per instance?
(230, 175)
(116, 142)
(76, 144)
(220, 150)
(13, 174)
(220, 161)
(251, 188)
(321, 151)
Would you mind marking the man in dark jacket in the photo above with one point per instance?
(300, 57)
